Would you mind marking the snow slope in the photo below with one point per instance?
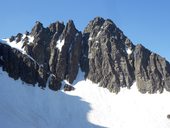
(18, 45)
(88, 106)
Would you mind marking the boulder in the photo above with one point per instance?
(54, 83)
(27, 33)
(168, 116)
(12, 38)
(18, 37)
(68, 87)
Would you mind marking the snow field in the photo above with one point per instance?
(87, 106)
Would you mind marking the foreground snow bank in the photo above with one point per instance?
(88, 106)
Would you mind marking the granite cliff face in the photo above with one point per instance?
(102, 51)
(151, 70)
(108, 62)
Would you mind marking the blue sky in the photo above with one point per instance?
(143, 21)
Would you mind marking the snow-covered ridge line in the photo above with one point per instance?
(20, 46)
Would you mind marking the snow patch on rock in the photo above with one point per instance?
(18, 45)
(129, 51)
(60, 44)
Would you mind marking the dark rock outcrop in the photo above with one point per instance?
(54, 83)
(12, 38)
(19, 65)
(42, 76)
(68, 87)
(168, 116)
(1, 54)
(40, 46)
(108, 62)
(151, 70)
(55, 49)
(102, 51)
(65, 52)
(68, 58)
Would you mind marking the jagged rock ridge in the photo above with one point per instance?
(102, 51)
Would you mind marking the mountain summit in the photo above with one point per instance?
(48, 56)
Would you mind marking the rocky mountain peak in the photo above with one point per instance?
(70, 29)
(56, 27)
(37, 28)
(96, 23)
(102, 51)
(108, 61)
(70, 24)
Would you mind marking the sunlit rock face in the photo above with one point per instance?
(108, 62)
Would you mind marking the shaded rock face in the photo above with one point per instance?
(40, 46)
(54, 83)
(1, 55)
(64, 62)
(18, 65)
(55, 49)
(102, 51)
(151, 70)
